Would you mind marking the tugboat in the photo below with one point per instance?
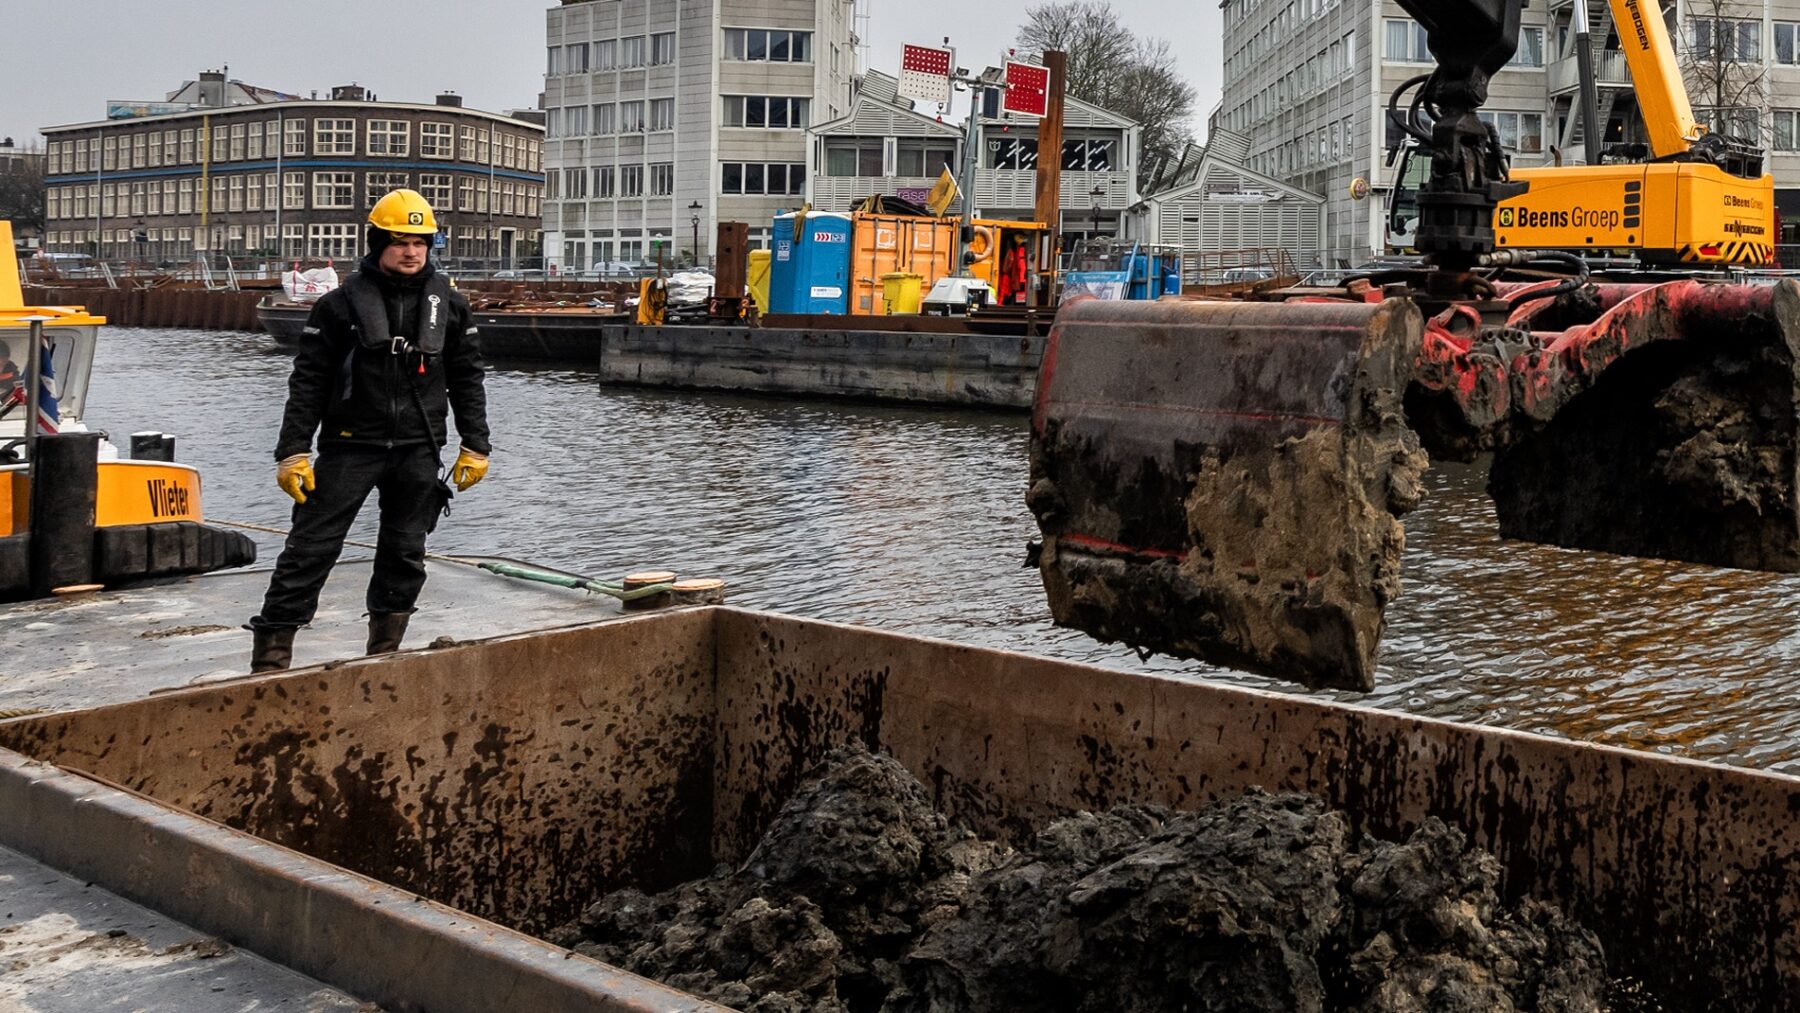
(74, 513)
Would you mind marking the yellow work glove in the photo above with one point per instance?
(295, 476)
(469, 468)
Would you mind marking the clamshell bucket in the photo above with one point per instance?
(1665, 428)
(1223, 480)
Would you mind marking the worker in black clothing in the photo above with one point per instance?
(379, 359)
(10, 376)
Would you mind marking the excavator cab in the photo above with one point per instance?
(1226, 479)
(1403, 199)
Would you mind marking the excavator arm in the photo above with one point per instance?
(1225, 480)
(1656, 78)
(1471, 40)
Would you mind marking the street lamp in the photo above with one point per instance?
(1097, 194)
(694, 209)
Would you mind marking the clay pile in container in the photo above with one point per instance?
(861, 898)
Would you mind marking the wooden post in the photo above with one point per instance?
(1049, 175)
(647, 578)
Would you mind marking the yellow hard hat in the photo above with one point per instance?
(403, 211)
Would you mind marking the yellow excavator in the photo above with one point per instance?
(1225, 479)
(1700, 197)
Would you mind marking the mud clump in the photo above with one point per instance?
(821, 914)
(862, 899)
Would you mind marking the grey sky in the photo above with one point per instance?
(66, 58)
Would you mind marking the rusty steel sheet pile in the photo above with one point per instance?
(1224, 480)
(497, 788)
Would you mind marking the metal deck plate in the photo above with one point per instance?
(92, 649)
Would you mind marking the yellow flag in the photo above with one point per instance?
(945, 191)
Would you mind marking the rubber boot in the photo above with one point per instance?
(271, 650)
(385, 631)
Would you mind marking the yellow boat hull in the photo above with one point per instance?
(129, 492)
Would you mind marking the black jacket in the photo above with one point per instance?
(351, 393)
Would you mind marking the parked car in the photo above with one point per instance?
(608, 270)
(1241, 275)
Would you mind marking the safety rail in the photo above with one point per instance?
(1236, 267)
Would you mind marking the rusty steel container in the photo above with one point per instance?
(398, 827)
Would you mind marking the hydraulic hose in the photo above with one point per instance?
(1409, 123)
(579, 583)
(1515, 258)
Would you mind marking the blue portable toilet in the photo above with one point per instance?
(1171, 273)
(809, 267)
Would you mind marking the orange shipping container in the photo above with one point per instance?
(895, 244)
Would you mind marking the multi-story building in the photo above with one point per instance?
(20, 196)
(1740, 60)
(664, 119)
(884, 147)
(16, 159)
(288, 178)
(1307, 82)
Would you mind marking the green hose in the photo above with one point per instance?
(579, 583)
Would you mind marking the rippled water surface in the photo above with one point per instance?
(914, 520)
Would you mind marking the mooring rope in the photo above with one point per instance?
(265, 529)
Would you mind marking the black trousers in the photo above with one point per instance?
(407, 479)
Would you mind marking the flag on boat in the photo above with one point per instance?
(49, 417)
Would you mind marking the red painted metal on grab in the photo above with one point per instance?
(1090, 542)
(1046, 379)
(1455, 356)
(1671, 311)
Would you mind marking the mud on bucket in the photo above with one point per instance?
(1223, 480)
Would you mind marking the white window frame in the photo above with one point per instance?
(332, 241)
(738, 111)
(758, 45)
(334, 136)
(378, 183)
(1512, 124)
(437, 188)
(334, 190)
(437, 140)
(631, 117)
(1530, 54)
(631, 52)
(294, 143)
(1788, 33)
(662, 114)
(388, 139)
(1418, 52)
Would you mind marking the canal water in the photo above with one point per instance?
(914, 520)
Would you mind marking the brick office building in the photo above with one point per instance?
(288, 177)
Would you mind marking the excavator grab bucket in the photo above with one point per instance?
(1666, 428)
(1223, 480)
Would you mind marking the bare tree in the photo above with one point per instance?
(1722, 64)
(1116, 70)
(22, 192)
(1099, 46)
